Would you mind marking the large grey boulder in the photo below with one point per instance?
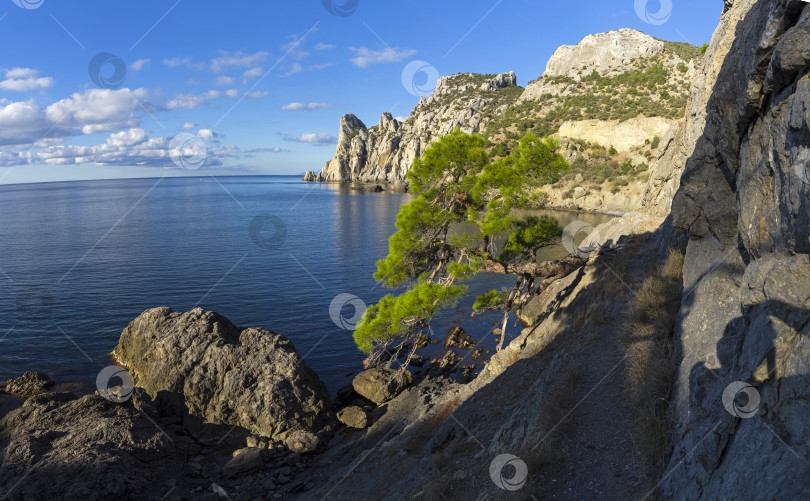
(381, 385)
(251, 378)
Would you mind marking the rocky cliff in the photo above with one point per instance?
(385, 152)
(615, 76)
(743, 387)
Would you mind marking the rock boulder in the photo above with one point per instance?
(381, 385)
(353, 416)
(251, 377)
(30, 383)
(59, 446)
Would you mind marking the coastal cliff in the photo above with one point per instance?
(618, 90)
(384, 153)
(745, 313)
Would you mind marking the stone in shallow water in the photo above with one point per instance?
(30, 383)
(459, 339)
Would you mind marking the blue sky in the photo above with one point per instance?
(93, 89)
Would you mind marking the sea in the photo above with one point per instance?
(79, 260)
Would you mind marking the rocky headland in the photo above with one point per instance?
(609, 100)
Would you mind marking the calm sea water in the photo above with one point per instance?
(80, 260)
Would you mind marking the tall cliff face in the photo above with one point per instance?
(385, 152)
(745, 317)
(617, 76)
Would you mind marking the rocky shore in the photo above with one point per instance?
(198, 408)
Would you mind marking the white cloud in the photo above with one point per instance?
(139, 64)
(24, 80)
(313, 138)
(232, 93)
(307, 107)
(184, 62)
(21, 73)
(236, 60)
(365, 57)
(297, 68)
(188, 126)
(10, 159)
(130, 147)
(129, 137)
(253, 72)
(294, 49)
(191, 101)
(206, 134)
(258, 94)
(250, 153)
(324, 46)
(97, 110)
(223, 81)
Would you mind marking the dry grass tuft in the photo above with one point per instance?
(650, 368)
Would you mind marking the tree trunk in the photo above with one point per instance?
(548, 269)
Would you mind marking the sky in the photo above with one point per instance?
(104, 89)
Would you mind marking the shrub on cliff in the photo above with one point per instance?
(456, 182)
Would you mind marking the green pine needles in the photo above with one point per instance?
(456, 182)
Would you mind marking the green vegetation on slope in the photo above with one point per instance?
(455, 181)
